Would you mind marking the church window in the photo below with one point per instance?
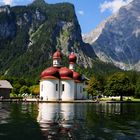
(56, 87)
(63, 87)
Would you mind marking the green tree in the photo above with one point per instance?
(93, 87)
(102, 81)
(16, 88)
(118, 84)
(34, 89)
(24, 89)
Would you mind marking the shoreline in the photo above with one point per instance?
(39, 101)
(73, 101)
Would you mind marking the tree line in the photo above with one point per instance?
(117, 84)
(110, 82)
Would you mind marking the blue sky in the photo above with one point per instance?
(89, 12)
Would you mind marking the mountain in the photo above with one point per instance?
(30, 34)
(117, 39)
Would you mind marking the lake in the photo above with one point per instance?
(69, 121)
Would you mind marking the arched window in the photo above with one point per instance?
(63, 87)
(56, 87)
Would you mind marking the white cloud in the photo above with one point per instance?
(7, 2)
(14, 2)
(113, 5)
(81, 12)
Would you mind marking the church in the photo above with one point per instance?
(61, 83)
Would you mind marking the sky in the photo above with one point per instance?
(90, 13)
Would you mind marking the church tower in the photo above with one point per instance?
(57, 59)
(72, 61)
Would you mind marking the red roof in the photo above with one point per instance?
(57, 55)
(77, 77)
(61, 73)
(65, 73)
(50, 73)
(72, 58)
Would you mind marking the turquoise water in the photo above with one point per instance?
(43, 121)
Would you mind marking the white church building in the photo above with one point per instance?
(61, 83)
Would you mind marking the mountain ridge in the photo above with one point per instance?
(30, 34)
(118, 42)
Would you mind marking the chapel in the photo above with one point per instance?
(61, 83)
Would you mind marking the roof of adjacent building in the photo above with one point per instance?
(5, 84)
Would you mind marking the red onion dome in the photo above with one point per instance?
(65, 73)
(77, 77)
(57, 55)
(72, 58)
(50, 73)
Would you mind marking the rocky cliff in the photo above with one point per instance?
(117, 39)
(30, 34)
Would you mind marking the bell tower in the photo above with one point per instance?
(72, 61)
(57, 58)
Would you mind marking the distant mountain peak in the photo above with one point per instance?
(117, 40)
(39, 2)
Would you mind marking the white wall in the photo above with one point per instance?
(71, 91)
(79, 90)
(68, 93)
(49, 89)
(71, 66)
(56, 62)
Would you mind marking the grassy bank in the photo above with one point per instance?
(118, 99)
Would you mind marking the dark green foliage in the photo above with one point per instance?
(38, 2)
(17, 57)
(137, 88)
(99, 70)
(24, 90)
(118, 84)
(94, 87)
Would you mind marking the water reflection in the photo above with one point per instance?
(114, 120)
(67, 112)
(18, 122)
(4, 113)
(69, 121)
(56, 119)
(88, 121)
(48, 113)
